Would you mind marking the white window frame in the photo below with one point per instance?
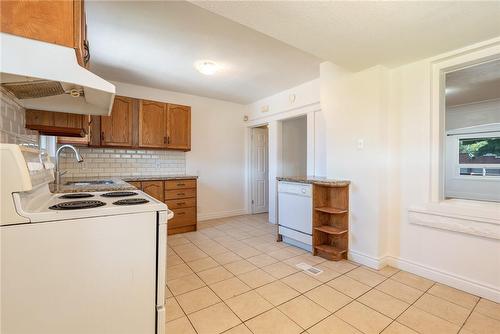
(466, 216)
(481, 52)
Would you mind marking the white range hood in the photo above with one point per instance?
(33, 68)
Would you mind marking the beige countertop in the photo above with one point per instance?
(315, 180)
(119, 183)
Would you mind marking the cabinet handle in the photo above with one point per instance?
(181, 184)
(102, 136)
(181, 213)
(181, 194)
(86, 48)
(181, 203)
(164, 140)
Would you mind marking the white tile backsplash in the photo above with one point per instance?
(122, 162)
(12, 123)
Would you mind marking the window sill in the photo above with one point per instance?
(464, 216)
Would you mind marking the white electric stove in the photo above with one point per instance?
(77, 262)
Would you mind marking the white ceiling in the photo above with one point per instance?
(361, 34)
(156, 43)
(473, 84)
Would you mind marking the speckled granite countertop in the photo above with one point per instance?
(315, 180)
(119, 183)
(158, 177)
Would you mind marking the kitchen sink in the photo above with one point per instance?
(88, 183)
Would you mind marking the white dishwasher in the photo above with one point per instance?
(295, 213)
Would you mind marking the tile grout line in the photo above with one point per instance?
(223, 301)
(300, 293)
(257, 234)
(468, 316)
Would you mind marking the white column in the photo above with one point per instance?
(275, 168)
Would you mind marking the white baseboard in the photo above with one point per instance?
(453, 280)
(221, 214)
(367, 260)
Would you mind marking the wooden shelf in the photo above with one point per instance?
(333, 211)
(331, 252)
(331, 230)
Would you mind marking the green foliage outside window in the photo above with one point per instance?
(480, 147)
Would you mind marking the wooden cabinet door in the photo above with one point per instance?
(48, 21)
(56, 22)
(152, 124)
(136, 184)
(179, 127)
(116, 130)
(154, 189)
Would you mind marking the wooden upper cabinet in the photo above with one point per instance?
(116, 130)
(179, 127)
(56, 22)
(57, 123)
(152, 124)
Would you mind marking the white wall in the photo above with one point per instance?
(462, 260)
(356, 117)
(378, 126)
(217, 153)
(294, 146)
(302, 100)
(285, 102)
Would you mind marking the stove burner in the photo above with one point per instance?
(74, 205)
(77, 195)
(119, 194)
(131, 201)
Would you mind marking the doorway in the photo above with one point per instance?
(259, 170)
(294, 146)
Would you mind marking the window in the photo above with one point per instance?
(479, 156)
(472, 132)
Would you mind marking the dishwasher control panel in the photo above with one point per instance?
(303, 189)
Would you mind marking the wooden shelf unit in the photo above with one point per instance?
(331, 221)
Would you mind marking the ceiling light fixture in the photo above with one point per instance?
(206, 67)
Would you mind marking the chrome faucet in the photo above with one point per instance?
(77, 156)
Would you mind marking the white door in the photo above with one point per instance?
(259, 168)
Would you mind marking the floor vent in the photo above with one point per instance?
(309, 269)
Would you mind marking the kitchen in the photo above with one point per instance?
(235, 236)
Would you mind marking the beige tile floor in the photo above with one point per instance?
(231, 276)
